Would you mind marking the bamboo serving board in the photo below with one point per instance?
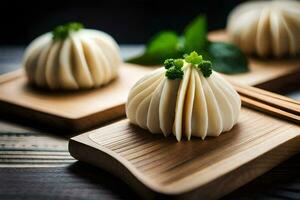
(158, 167)
(85, 109)
(72, 111)
(270, 74)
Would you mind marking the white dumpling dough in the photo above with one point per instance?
(85, 59)
(266, 28)
(191, 106)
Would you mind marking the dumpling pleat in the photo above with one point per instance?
(263, 44)
(40, 73)
(106, 69)
(146, 81)
(293, 26)
(248, 33)
(32, 54)
(81, 71)
(188, 106)
(200, 113)
(107, 39)
(153, 112)
(215, 123)
(52, 66)
(177, 129)
(225, 106)
(136, 100)
(231, 95)
(65, 75)
(96, 69)
(142, 111)
(110, 52)
(279, 32)
(143, 107)
(167, 105)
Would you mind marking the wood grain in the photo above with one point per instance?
(158, 167)
(71, 110)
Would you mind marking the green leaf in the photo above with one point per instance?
(227, 58)
(164, 45)
(195, 35)
(145, 59)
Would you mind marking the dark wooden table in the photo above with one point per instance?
(35, 163)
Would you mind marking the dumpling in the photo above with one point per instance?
(184, 99)
(72, 58)
(266, 28)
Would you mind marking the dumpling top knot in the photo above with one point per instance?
(186, 97)
(72, 58)
(266, 28)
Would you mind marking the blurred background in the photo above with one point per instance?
(131, 22)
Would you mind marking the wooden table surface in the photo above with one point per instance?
(35, 163)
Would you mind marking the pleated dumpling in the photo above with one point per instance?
(72, 58)
(187, 98)
(266, 28)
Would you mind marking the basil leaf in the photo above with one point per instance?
(163, 46)
(195, 35)
(145, 59)
(227, 58)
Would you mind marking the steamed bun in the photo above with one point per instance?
(189, 104)
(266, 28)
(72, 58)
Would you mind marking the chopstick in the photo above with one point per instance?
(268, 102)
(251, 103)
(269, 98)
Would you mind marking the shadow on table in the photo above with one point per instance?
(101, 180)
(282, 182)
(39, 127)
(80, 181)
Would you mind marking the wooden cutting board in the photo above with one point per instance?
(270, 74)
(72, 111)
(77, 111)
(158, 167)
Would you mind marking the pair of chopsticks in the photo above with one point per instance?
(268, 102)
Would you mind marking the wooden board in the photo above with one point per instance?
(270, 74)
(157, 167)
(77, 111)
(73, 111)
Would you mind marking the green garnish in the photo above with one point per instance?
(197, 61)
(61, 32)
(169, 63)
(206, 68)
(173, 67)
(174, 73)
(225, 57)
(193, 58)
(178, 63)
